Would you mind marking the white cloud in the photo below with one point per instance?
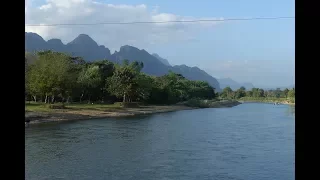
(112, 36)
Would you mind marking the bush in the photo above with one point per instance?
(56, 106)
(197, 103)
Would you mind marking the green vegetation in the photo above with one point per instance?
(259, 95)
(215, 103)
(197, 103)
(42, 107)
(56, 77)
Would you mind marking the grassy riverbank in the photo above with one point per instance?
(267, 100)
(41, 107)
(39, 112)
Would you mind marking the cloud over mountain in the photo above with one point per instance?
(113, 36)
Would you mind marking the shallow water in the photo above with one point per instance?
(251, 141)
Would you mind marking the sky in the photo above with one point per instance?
(261, 52)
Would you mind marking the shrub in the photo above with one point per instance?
(197, 103)
(56, 106)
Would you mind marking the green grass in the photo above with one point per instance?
(41, 107)
(92, 106)
(37, 107)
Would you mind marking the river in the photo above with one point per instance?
(252, 141)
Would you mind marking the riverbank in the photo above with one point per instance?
(267, 100)
(72, 114)
(39, 114)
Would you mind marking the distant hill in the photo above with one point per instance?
(164, 61)
(224, 82)
(84, 46)
(151, 64)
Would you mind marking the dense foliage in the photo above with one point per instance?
(55, 76)
(256, 93)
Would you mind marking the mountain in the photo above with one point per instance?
(34, 42)
(247, 85)
(153, 66)
(224, 82)
(195, 73)
(164, 61)
(84, 46)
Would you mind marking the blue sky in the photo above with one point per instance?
(261, 51)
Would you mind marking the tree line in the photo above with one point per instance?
(228, 93)
(59, 77)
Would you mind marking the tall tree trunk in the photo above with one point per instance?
(35, 98)
(124, 97)
(81, 97)
(46, 99)
(52, 99)
(68, 99)
(89, 99)
(102, 96)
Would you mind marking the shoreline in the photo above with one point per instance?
(57, 116)
(267, 102)
(35, 117)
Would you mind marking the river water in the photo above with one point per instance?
(251, 141)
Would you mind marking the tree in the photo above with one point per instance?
(249, 93)
(60, 76)
(200, 89)
(50, 74)
(106, 69)
(89, 80)
(227, 92)
(261, 93)
(291, 93)
(240, 93)
(176, 87)
(285, 92)
(277, 93)
(144, 89)
(123, 83)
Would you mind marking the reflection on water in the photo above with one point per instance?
(251, 141)
(291, 110)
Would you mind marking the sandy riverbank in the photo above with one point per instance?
(79, 114)
(62, 115)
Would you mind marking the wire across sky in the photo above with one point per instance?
(163, 22)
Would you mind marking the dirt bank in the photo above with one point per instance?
(34, 117)
(62, 115)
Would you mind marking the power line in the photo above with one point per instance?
(162, 22)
